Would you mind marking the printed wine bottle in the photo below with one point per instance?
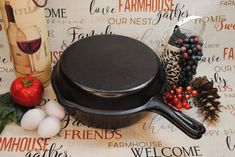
(20, 59)
(26, 29)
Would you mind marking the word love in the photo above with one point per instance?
(210, 59)
(94, 9)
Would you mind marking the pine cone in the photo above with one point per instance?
(207, 97)
(199, 83)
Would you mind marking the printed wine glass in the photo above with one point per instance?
(29, 41)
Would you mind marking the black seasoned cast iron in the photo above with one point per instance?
(108, 81)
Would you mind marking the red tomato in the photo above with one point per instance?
(27, 91)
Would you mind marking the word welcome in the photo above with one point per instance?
(192, 151)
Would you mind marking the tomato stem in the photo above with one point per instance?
(27, 82)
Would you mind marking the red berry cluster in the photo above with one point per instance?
(178, 97)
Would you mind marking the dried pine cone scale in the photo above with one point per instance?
(207, 99)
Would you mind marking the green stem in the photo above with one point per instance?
(27, 82)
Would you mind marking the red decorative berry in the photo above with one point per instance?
(179, 106)
(194, 93)
(170, 97)
(184, 104)
(177, 97)
(185, 55)
(196, 40)
(176, 100)
(174, 86)
(199, 47)
(180, 41)
(180, 96)
(165, 101)
(187, 107)
(187, 96)
(179, 91)
(183, 49)
(167, 94)
(189, 89)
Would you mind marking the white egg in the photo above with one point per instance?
(53, 108)
(49, 127)
(32, 118)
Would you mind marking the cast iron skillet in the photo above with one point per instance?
(109, 80)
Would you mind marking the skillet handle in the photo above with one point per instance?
(188, 125)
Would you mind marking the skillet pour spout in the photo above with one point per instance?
(110, 81)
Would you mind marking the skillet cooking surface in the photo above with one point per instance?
(110, 64)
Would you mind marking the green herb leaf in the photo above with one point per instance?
(3, 123)
(9, 111)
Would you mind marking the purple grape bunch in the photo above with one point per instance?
(190, 54)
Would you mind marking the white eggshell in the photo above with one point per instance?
(53, 108)
(49, 127)
(32, 118)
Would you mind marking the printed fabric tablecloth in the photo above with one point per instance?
(153, 136)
